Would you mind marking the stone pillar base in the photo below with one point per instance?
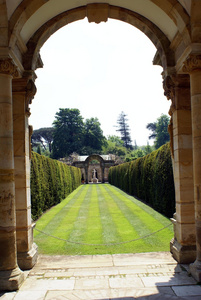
(26, 260)
(183, 254)
(11, 280)
(195, 270)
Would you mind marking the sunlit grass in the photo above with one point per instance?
(101, 215)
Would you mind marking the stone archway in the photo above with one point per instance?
(101, 168)
(174, 28)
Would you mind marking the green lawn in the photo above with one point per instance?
(100, 215)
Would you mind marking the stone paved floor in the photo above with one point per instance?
(150, 276)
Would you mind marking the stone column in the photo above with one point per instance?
(183, 245)
(23, 93)
(11, 276)
(193, 67)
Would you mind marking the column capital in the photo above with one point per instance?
(28, 87)
(174, 86)
(9, 68)
(192, 63)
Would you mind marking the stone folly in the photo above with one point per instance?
(94, 168)
(174, 27)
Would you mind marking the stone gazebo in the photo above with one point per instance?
(94, 168)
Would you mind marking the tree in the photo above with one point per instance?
(43, 137)
(116, 140)
(68, 132)
(93, 136)
(124, 130)
(159, 131)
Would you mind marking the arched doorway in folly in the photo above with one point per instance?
(174, 27)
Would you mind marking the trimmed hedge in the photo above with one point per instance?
(149, 178)
(51, 182)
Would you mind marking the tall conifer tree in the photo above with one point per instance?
(124, 130)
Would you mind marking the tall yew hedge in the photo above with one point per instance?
(149, 178)
(51, 182)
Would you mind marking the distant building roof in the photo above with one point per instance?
(104, 157)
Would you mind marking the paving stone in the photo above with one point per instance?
(193, 290)
(128, 282)
(153, 290)
(81, 284)
(142, 258)
(7, 296)
(177, 279)
(45, 284)
(58, 274)
(132, 270)
(30, 295)
(82, 294)
(150, 276)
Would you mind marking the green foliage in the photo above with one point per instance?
(68, 132)
(124, 130)
(51, 182)
(101, 214)
(72, 134)
(150, 178)
(93, 137)
(43, 137)
(159, 131)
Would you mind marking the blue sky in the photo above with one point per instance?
(101, 70)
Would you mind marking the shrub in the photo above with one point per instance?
(51, 182)
(150, 178)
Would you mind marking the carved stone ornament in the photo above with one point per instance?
(8, 67)
(30, 93)
(192, 63)
(169, 86)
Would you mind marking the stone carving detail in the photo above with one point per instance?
(9, 68)
(192, 63)
(169, 91)
(30, 93)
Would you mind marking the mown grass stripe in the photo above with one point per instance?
(80, 224)
(144, 223)
(93, 232)
(110, 233)
(49, 215)
(62, 225)
(102, 215)
(125, 229)
(164, 220)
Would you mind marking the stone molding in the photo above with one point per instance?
(97, 12)
(30, 93)
(28, 87)
(171, 85)
(192, 63)
(9, 68)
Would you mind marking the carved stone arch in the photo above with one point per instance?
(102, 165)
(27, 8)
(31, 57)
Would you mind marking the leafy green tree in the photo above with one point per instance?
(159, 131)
(93, 139)
(116, 140)
(148, 149)
(68, 132)
(38, 149)
(43, 137)
(124, 130)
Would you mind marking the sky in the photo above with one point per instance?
(102, 70)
